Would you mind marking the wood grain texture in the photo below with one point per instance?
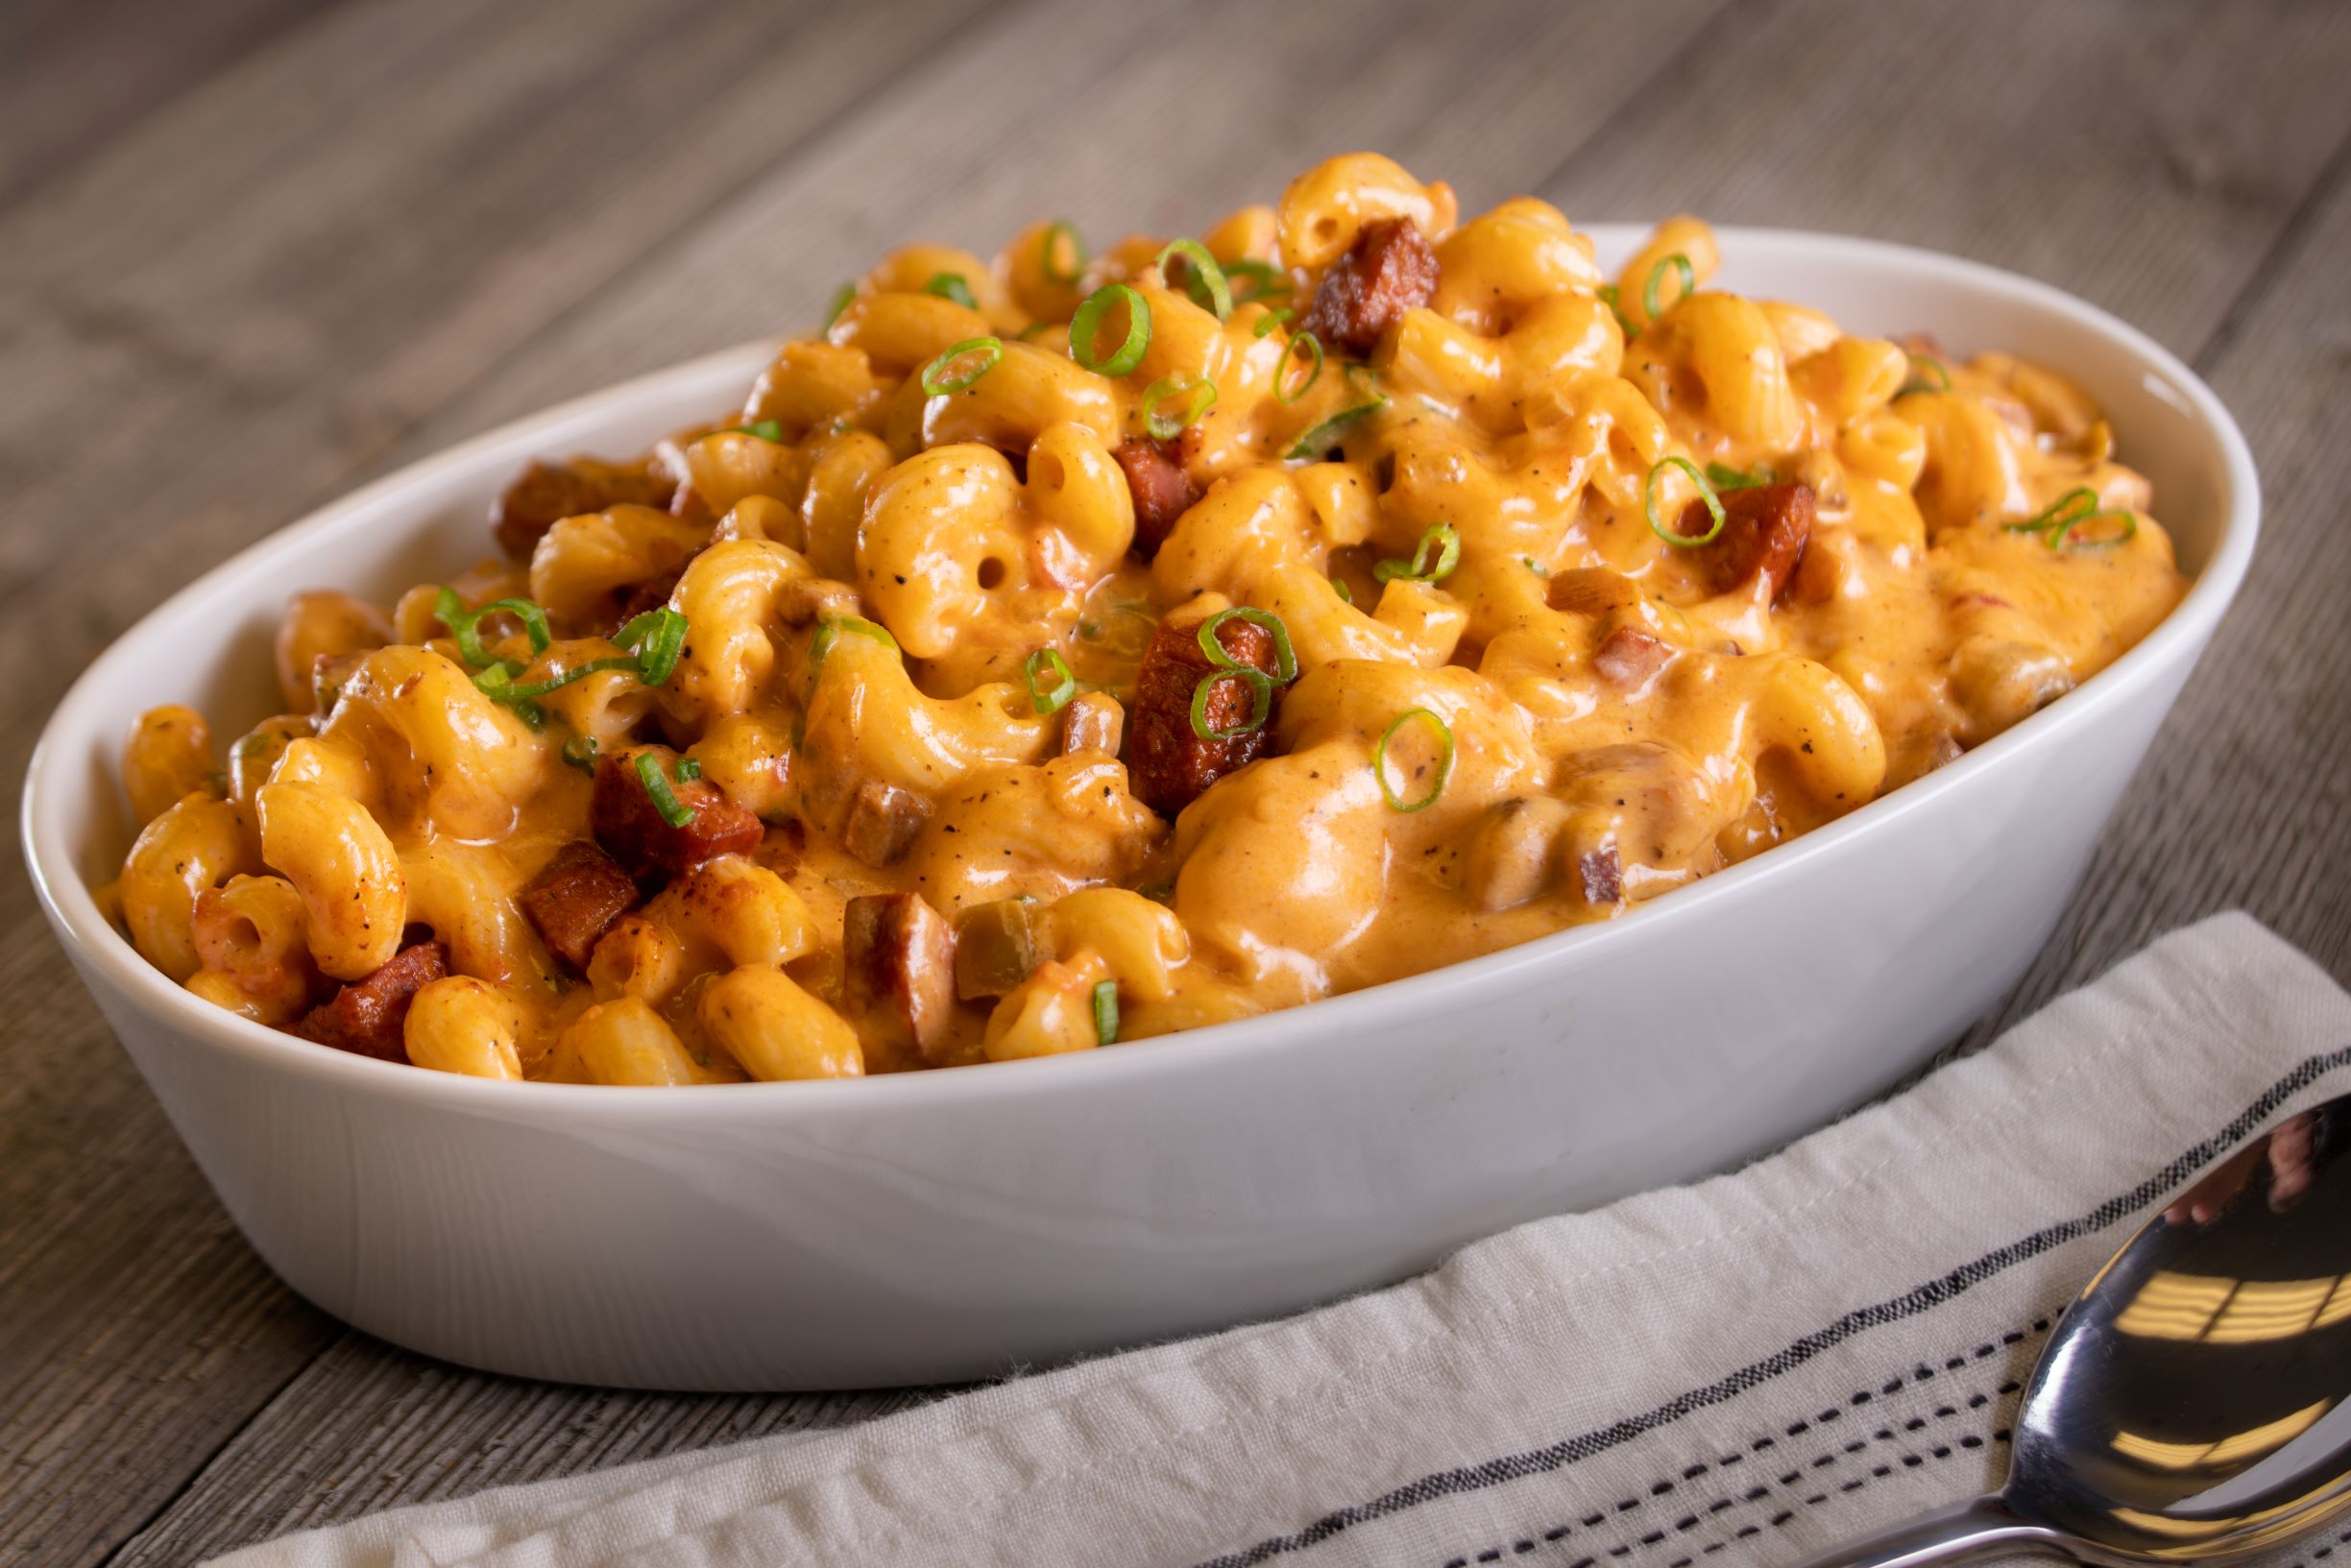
(366, 233)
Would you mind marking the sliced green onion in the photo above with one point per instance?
(1205, 282)
(841, 302)
(1281, 369)
(1106, 1012)
(1681, 264)
(766, 430)
(1053, 698)
(1624, 323)
(688, 767)
(951, 286)
(1048, 252)
(1722, 476)
(940, 383)
(1920, 383)
(2075, 509)
(664, 799)
(1318, 439)
(1086, 326)
(1687, 542)
(580, 751)
(497, 682)
(1445, 539)
(656, 637)
(1198, 395)
(1268, 280)
(1285, 657)
(1271, 319)
(1534, 565)
(1261, 703)
(1346, 594)
(829, 633)
(508, 692)
(1444, 760)
(465, 624)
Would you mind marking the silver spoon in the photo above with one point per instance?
(2196, 1401)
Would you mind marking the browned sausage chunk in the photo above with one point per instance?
(1629, 657)
(1366, 291)
(631, 828)
(1603, 876)
(1161, 488)
(575, 898)
(1763, 534)
(1171, 764)
(883, 822)
(547, 492)
(367, 1017)
(898, 971)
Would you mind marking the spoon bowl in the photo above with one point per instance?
(2194, 1403)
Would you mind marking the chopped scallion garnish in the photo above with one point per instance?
(1346, 594)
(830, 632)
(1271, 319)
(2078, 508)
(1281, 367)
(1681, 265)
(672, 811)
(1442, 540)
(1261, 702)
(766, 430)
(1267, 280)
(1319, 440)
(1722, 476)
(1163, 422)
(1624, 323)
(952, 287)
(942, 377)
(1086, 326)
(1649, 487)
(656, 637)
(465, 625)
(1042, 666)
(688, 767)
(1285, 657)
(1106, 1012)
(1939, 381)
(1445, 760)
(580, 751)
(841, 302)
(1059, 234)
(1203, 280)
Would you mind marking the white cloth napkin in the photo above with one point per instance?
(1741, 1371)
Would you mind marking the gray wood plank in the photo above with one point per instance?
(233, 291)
(75, 73)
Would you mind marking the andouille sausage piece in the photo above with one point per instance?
(574, 900)
(1171, 763)
(1390, 270)
(547, 492)
(1763, 534)
(631, 829)
(368, 1016)
(1629, 657)
(1162, 491)
(898, 971)
(883, 823)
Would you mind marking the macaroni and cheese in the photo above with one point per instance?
(1075, 647)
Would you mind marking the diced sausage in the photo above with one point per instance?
(1590, 590)
(1629, 657)
(1603, 876)
(1171, 765)
(368, 1016)
(547, 492)
(1763, 534)
(1093, 722)
(630, 827)
(575, 898)
(1162, 491)
(898, 963)
(883, 821)
(1390, 270)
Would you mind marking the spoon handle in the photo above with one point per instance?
(1958, 1531)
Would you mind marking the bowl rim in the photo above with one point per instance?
(96, 945)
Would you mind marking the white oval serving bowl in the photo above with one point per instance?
(947, 1226)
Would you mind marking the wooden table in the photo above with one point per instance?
(254, 251)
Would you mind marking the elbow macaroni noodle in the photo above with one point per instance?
(1586, 586)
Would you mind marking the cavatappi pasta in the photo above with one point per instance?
(1072, 648)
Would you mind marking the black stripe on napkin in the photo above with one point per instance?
(1495, 1472)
